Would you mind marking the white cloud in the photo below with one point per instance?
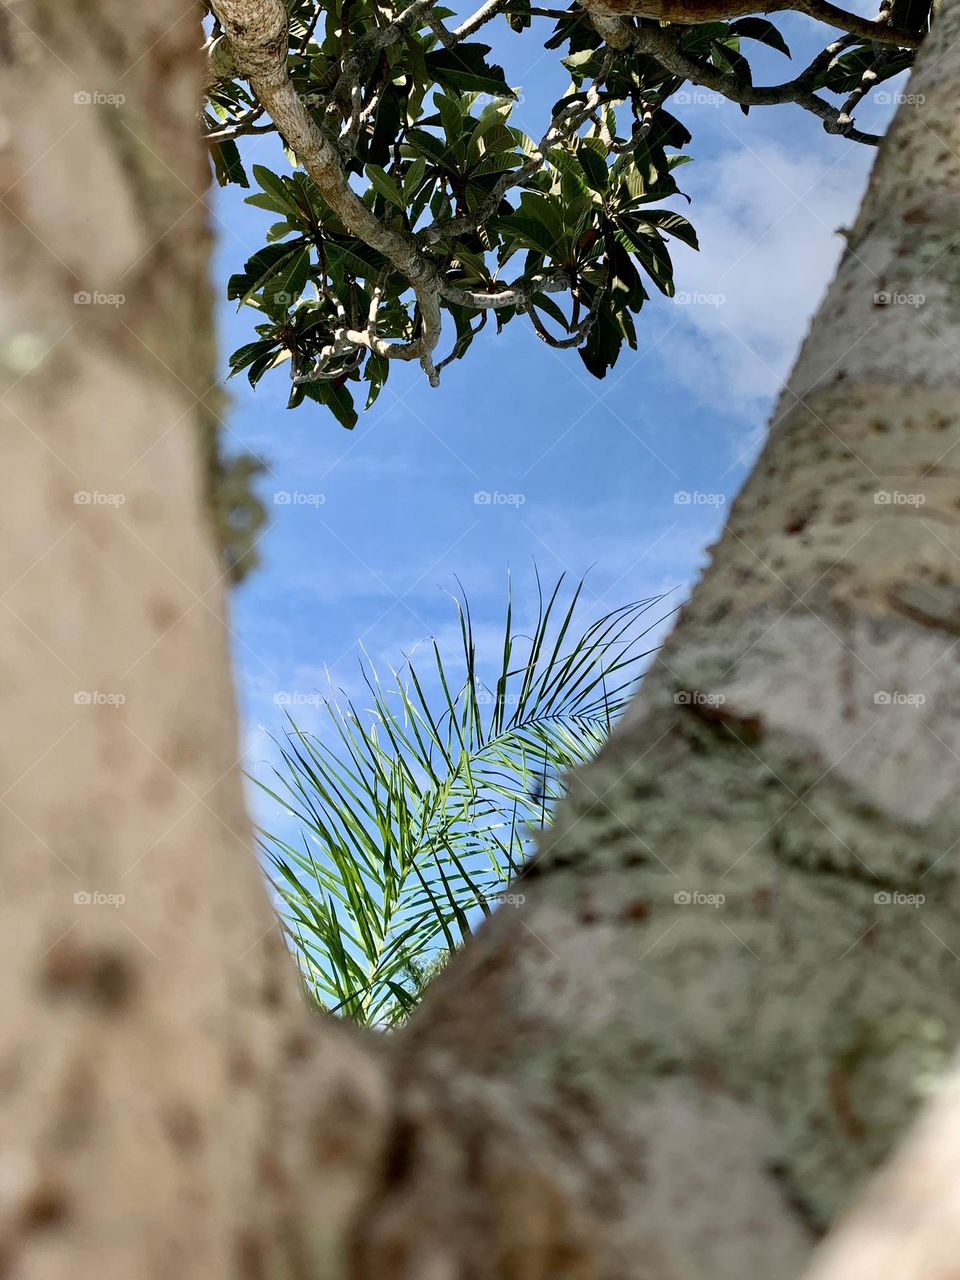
(767, 222)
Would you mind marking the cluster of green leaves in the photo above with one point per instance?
(414, 816)
(718, 44)
(430, 157)
(435, 145)
(846, 72)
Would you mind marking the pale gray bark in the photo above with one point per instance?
(908, 1226)
(715, 1082)
(148, 1049)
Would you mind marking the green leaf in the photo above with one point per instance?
(286, 285)
(845, 72)
(279, 231)
(654, 257)
(375, 372)
(538, 224)
(734, 64)
(585, 62)
(594, 166)
(451, 117)
(258, 269)
(389, 119)
(762, 30)
(492, 134)
(519, 15)
(602, 347)
(336, 397)
(465, 68)
(413, 177)
(248, 353)
(547, 304)
(674, 224)
(383, 183)
(670, 131)
(227, 164)
(274, 187)
(260, 200)
(350, 255)
(421, 143)
(263, 362)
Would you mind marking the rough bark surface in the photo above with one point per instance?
(908, 1226)
(737, 971)
(687, 12)
(151, 1027)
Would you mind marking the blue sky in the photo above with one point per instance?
(586, 473)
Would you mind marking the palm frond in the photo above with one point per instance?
(419, 810)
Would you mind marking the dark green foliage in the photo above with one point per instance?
(558, 231)
(434, 148)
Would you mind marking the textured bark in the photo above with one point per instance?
(611, 1082)
(147, 1049)
(688, 12)
(684, 1089)
(908, 1227)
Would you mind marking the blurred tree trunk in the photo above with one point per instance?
(724, 995)
(147, 1003)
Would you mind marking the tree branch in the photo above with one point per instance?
(575, 337)
(511, 295)
(662, 44)
(691, 12)
(479, 18)
(245, 124)
(258, 35)
(866, 28)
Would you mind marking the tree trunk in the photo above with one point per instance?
(147, 1000)
(684, 1054)
(738, 966)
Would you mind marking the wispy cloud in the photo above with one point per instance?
(768, 222)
